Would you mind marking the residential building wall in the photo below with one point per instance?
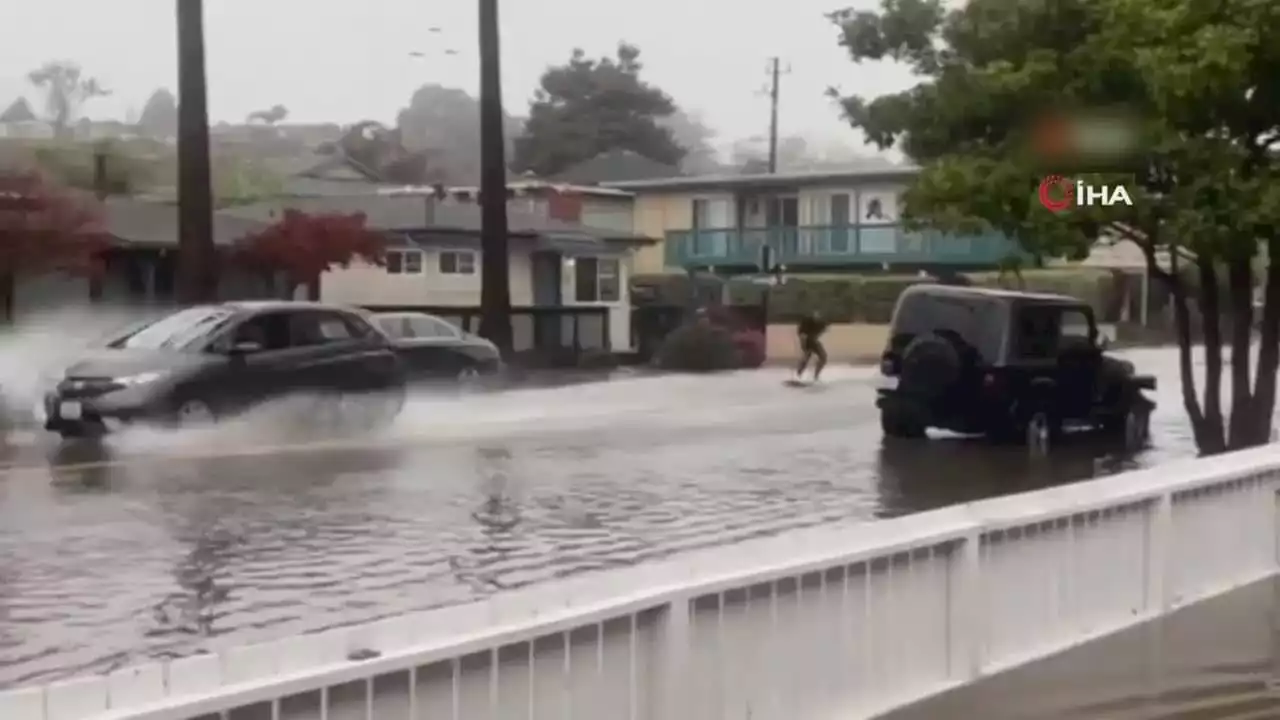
(657, 213)
(364, 284)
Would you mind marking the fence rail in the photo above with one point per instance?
(831, 622)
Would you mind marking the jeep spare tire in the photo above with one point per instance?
(930, 365)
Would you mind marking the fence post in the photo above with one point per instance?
(966, 631)
(674, 644)
(1159, 594)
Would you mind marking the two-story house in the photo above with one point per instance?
(819, 221)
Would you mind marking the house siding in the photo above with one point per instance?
(609, 213)
(364, 284)
(619, 310)
(654, 216)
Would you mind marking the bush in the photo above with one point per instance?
(699, 347)
(751, 348)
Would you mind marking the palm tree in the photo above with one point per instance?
(197, 273)
(495, 290)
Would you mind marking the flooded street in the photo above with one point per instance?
(178, 543)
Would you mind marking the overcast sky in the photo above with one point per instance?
(338, 60)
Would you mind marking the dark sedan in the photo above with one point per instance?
(204, 363)
(434, 349)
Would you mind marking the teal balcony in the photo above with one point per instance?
(852, 246)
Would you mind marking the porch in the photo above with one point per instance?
(820, 228)
(834, 247)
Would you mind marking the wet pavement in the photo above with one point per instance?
(1217, 660)
(161, 545)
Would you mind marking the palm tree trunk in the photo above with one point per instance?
(495, 290)
(197, 273)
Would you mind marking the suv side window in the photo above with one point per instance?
(270, 330)
(312, 328)
(1043, 331)
(429, 327)
(1076, 327)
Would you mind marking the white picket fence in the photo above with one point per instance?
(830, 623)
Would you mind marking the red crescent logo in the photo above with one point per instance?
(1056, 193)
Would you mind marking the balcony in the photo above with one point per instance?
(851, 246)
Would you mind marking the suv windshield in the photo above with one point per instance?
(976, 320)
(178, 331)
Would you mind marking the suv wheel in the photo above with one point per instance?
(897, 425)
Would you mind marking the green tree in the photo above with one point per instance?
(588, 107)
(66, 90)
(160, 115)
(1191, 85)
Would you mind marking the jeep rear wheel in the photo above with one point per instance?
(897, 425)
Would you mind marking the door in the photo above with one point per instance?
(1079, 362)
(258, 375)
(546, 270)
(327, 353)
(434, 347)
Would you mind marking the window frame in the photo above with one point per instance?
(397, 261)
(607, 274)
(465, 269)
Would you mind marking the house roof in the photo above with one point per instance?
(139, 222)
(761, 181)
(616, 166)
(409, 213)
(18, 111)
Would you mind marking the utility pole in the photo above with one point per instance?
(495, 288)
(775, 73)
(197, 278)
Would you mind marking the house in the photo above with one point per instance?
(812, 221)
(433, 259)
(140, 265)
(18, 121)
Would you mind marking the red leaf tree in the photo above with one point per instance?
(45, 228)
(303, 246)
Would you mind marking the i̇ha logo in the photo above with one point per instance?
(1058, 194)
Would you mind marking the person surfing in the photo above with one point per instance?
(810, 330)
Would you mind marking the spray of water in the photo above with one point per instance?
(36, 352)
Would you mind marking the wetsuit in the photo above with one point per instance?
(810, 331)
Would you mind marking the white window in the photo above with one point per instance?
(597, 280)
(404, 262)
(457, 262)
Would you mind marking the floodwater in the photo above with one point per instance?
(1216, 660)
(183, 542)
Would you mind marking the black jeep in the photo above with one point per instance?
(1010, 365)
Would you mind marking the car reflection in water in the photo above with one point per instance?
(915, 476)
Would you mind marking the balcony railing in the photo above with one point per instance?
(850, 245)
